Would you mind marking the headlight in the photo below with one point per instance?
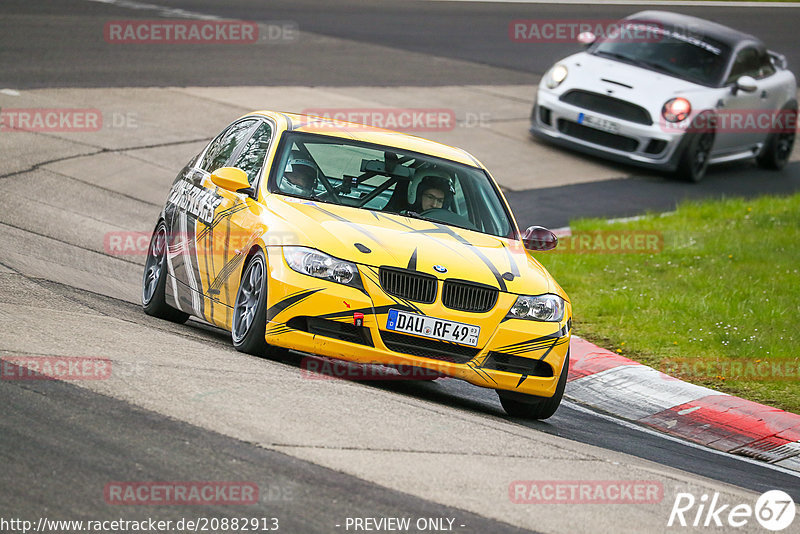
(676, 110)
(320, 265)
(556, 75)
(539, 308)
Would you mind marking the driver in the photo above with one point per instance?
(301, 173)
(433, 191)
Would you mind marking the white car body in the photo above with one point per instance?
(622, 117)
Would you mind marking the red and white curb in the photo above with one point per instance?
(617, 385)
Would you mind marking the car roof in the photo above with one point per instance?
(369, 134)
(719, 32)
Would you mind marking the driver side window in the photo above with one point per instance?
(252, 156)
(223, 147)
(746, 64)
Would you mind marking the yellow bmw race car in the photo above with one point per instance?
(361, 244)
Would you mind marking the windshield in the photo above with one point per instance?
(380, 178)
(687, 56)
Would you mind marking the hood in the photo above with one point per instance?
(647, 88)
(380, 239)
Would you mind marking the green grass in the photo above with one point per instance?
(724, 288)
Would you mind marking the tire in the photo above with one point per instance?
(531, 406)
(154, 280)
(694, 160)
(778, 147)
(250, 308)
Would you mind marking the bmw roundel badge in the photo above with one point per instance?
(440, 269)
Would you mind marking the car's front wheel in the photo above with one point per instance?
(531, 406)
(154, 281)
(779, 145)
(250, 309)
(694, 160)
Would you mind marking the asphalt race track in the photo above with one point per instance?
(181, 403)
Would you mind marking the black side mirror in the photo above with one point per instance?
(539, 238)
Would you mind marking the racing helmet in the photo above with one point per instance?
(300, 174)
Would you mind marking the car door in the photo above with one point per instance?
(771, 93)
(222, 246)
(193, 204)
(739, 108)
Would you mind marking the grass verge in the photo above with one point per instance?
(710, 293)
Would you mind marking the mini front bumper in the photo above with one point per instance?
(651, 146)
(317, 317)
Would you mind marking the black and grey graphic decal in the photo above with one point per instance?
(475, 366)
(289, 301)
(514, 272)
(412, 261)
(196, 201)
(441, 229)
(544, 342)
(349, 223)
(189, 268)
(277, 328)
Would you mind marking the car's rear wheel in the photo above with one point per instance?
(694, 160)
(531, 406)
(779, 145)
(250, 308)
(154, 281)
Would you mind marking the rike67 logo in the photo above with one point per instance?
(774, 510)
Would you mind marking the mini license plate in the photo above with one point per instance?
(431, 327)
(598, 123)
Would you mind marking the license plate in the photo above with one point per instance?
(598, 123)
(431, 327)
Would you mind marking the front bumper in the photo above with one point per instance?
(316, 316)
(650, 146)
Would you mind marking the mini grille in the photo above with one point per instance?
(598, 137)
(409, 285)
(469, 297)
(607, 105)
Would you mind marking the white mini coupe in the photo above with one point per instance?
(671, 92)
